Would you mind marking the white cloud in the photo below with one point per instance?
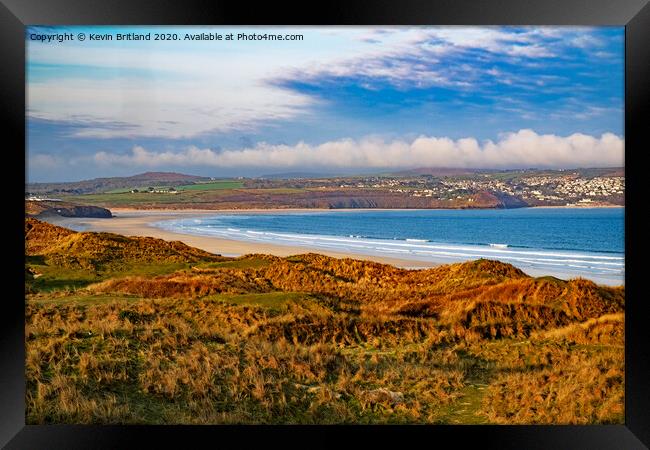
(128, 108)
(530, 51)
(524, 148)
(586, 41)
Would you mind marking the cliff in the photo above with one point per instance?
(64, 209)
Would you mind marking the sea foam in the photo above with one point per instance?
(561, 262)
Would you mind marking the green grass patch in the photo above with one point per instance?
(142, 198)
(271, 300)
(84, 299)
(551, 279)
(465, 410)
(54, 278)
(119, 191)
(61, 278)
(279, 190)
(126, 198)
(212, 185)
(240, 263)
(150, 269)
(35, 260)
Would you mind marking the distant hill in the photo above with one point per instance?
(602, 172)
(106, 184)
(293, 175)
(439, 171)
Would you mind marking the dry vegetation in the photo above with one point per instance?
(164, 333)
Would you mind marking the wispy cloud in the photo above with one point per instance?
(586, 41)
(420, 56)
(122, 107)
(42, 161)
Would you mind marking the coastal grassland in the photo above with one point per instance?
(117, 191)
(196, 194)
(211, 185)
(283, 197)
(127, 199)
(310, 339)
(200, 186)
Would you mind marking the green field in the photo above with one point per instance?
(212, 185)
(212, 192)
(202, 186)
(128, 198)
(119, 191)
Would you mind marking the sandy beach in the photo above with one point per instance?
(133, 222)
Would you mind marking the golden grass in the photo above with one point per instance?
(312, 339)
(580, 386)
(61, 247)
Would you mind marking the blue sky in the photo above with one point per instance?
(343, 99)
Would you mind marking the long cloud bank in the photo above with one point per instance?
(522, 149)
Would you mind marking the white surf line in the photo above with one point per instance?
(438, 247)
(479, 252)
(375, 244)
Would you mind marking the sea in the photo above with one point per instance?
(561, 242)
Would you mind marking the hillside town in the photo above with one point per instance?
(551, 190)
(537, 190)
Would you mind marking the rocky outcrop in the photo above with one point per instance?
(83, 211)
(64, 209)
(509, 201)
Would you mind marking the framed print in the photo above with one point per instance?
(377, 219)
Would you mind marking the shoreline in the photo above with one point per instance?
(135, 222)
(140, 225)
(575, 207)
(277, 210)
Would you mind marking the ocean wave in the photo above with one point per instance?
(580, 263)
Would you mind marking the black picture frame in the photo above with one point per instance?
(633, 14)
